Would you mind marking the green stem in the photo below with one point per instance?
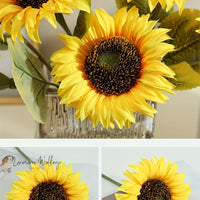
(156, 12)
(61, 20)
(110, 180)
(42, 59)
(23, 154)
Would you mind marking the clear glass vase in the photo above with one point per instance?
(61, 123)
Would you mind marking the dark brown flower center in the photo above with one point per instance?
(154, 190)
(113, 66)
(48, 191)
(32, 3)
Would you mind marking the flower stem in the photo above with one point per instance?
(110, 180)
(42, 59)
(23, 154)
(61, 20)
(155, 15)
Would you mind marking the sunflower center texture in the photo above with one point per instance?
(48, 191)
(154, 190)
(32, 3)
(113, 66)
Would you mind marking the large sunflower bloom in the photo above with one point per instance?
(48, 184)
(114, 68)
(154, 180)
(14, 14)
(164, 3)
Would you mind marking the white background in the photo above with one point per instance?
(178, 118)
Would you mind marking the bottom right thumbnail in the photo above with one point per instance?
(151, 173)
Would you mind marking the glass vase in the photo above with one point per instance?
(61, 123)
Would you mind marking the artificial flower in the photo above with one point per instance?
(111, 72)
(15, 14)
(49, 183)
(152, 180)
(163, 3)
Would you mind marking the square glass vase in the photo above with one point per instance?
(61, 123)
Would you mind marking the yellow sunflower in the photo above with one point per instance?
(49, 184)
(15, 14)
(163, 3)
(111, 72)
(154, 180)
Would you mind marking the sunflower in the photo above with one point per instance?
(15, 14)
(50, 183)
(154, 180)
(163, 3)
(111, 72)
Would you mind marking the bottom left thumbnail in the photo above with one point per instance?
(48, 172)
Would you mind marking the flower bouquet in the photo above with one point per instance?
(110, 72)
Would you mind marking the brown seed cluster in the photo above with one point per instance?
(121, 78)
(48, 191)
(32, 3)
(154, 189)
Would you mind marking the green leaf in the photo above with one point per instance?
(6, 82)
(186, 76)
(184, 38)
(29, 79)
(82, 24)
(3, 43)
(141, 5)
(160, 14)
(157, 14)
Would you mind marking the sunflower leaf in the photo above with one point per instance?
(143, 6)
(184, 38)
(6, 82)
(29, 79)
(82, 24)
(160, 14)
(186, 76)
(3, 43)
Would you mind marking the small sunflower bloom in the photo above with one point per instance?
(152, 180)
(49, 183)
(165, 3)
(110, 73)
(15, 14)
